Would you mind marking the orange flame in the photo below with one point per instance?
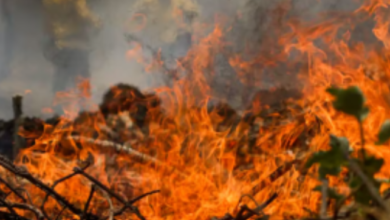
(204, 171)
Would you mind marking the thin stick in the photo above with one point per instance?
(88, 201)
(12, 189)
(324, 192)
(8, 206)
(107, 197)
(118, 147)
(125, 148)
(7, 215)
(261, 207)
(250, 197)
(126, 205)
(60, 213)
(362, 139)
(280, 171)
(339, 204)
(4, 162)
(58, 182)
(31, 208)
(119, 212)
(370, 186)
(129, 150)
(136, 199)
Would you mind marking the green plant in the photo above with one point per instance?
(364, 188)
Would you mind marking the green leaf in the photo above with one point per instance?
(329, 170)
(384, 133)
(330, 192)
(339, 144)
(332, 160)
(372, 165)
(363, 196)
(318, 157)
(363, 114)
(333, 91)
(351, 101)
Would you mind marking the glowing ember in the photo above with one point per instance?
(201, 168)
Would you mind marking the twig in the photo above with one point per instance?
(339, 204)
(242, 210)
(24, 174)
(136, 199)
(118, 147)
(250, 212)
(370, 186)
(31, 208)
(261, 207)
(124, 148)
(324, 194)
(311, 213)
(26, 192)
(40, 213)
(107, 197)
(99, 184)
(109, 131)
(12, 189)
(126, 205)
(7, 215)
(280, 171)
(249, 196)
(119, 212)
(58, 182)
(362, 139)
(8, 206)
(60, 213)
(86, 206)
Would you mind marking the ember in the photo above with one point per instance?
(175, 154)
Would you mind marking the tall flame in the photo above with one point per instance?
(203, 171)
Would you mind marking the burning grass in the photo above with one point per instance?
(204, 161)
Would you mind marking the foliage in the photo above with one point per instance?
(350, 101)
(384, 133)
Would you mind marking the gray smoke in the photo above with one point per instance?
(23, 66)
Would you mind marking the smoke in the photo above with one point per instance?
(108, 59)
(28, 73)
(23, 67)
(26, 68)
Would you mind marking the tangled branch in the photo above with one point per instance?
(40, 212)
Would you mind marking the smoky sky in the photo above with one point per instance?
(23, 66)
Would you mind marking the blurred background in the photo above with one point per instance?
(24, 69)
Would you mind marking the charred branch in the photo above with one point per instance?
(246, 213)
(18, 120)
(50, 191)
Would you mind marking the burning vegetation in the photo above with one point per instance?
(315, 148)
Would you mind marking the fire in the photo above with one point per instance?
(202, 168)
